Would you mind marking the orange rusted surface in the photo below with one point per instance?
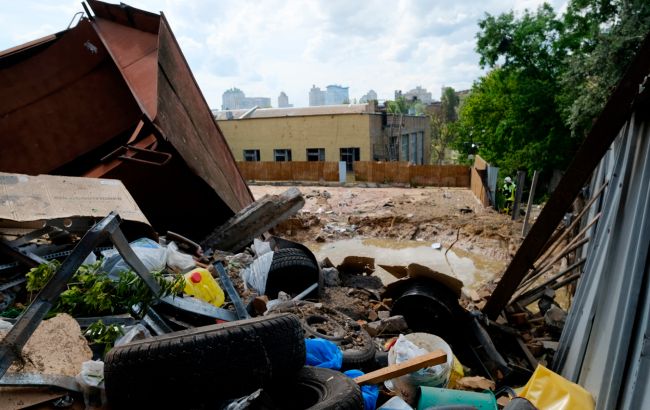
(86, 101)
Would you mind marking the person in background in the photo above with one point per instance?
(509, 189)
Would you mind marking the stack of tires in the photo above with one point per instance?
(203, 368)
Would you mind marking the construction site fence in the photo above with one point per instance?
(477, 183)
(364, 171)
(290, 171)
(415, 175)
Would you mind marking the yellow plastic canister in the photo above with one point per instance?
(200, 284)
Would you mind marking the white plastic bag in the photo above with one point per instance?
(255, 275)
(151, 253)
(132, 333)
(177, 259)
(91, 381)
(413, 345)
(261, 247)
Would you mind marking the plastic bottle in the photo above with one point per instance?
(200, 284)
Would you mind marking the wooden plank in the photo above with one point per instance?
(616, 113)
(254, 220)
(395, 370)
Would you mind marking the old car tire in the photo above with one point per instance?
(292, 271)
(353, 358)
(199, 367)
(362, 357)
(317, 389)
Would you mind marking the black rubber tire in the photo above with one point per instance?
(317, 389)
(362, 358)
(198, 368)
(292, 271)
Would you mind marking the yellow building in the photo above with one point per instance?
(325, 133)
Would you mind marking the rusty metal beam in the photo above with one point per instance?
(616, 113)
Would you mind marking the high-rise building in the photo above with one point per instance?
(369, 96)
(419, 94)
(283, 101)
(235, 99)
(316, 96)
(337, 94)
(232, 99)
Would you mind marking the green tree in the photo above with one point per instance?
(511, 113)
(449, 104)
(399, 106)
(602, 37)
(514, 121)
(444, 129)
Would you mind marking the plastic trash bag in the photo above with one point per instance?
(131, 334)
(406, 350)
(91, 381)
(255, 275)
(396, 403)
(323, 353)
(261, 247)
(550, 391)
(370, 392)
(177, 259)
(151, 253)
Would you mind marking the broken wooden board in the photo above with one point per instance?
(396, 370)
(254, 220)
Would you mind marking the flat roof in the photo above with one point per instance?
(296, 111)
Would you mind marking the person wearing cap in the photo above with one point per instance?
(509, 189)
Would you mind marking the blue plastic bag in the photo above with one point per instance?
(370, 392)
(323, 353)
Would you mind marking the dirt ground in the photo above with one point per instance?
(450, 216)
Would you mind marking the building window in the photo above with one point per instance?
(405, 148)
(315, 154)
(349, 155)
(251, 155)
(282, 155)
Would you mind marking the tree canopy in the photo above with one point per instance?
(550, 77)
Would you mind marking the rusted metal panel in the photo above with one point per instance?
(126, 15)
(136, 54)
(49, 103)
(186, 121)
(89, 100)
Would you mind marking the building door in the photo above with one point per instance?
(413, 157)
(349, 155)
(420, 148)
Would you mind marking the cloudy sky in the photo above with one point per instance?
(267, 46)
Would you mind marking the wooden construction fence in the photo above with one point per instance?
(289, 171)
(416, 175)
(478, 178)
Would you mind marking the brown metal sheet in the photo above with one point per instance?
(136, 53)
(55, 110)
(126, 15)
(186, 120)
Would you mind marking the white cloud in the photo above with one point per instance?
(264, 47)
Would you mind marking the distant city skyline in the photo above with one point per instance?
(284, 45)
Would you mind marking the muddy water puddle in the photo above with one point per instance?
(471, 269)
